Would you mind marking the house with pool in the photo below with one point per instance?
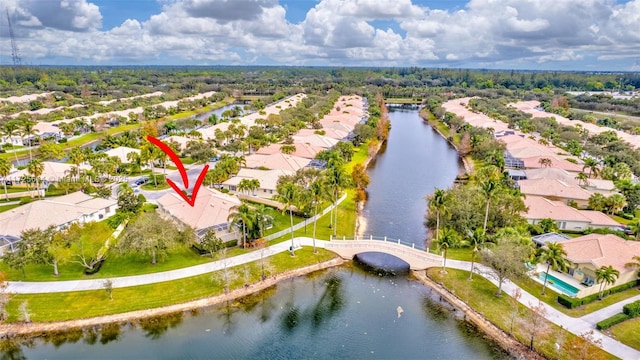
(585, 255)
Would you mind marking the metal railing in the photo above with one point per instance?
(383, 239)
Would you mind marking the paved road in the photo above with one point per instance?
(575, 325)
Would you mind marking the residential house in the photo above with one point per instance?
(60, 212)
(52, 172)
(321, 141)
(121, 152)
(277, 161)
(556, 190)
(210, 211)
(303, 150)
(268, 181)
(566, 217)
(590, 252)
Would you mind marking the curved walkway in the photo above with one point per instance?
(576, 326)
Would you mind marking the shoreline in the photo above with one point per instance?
(468, 166)
(37, 329)
(507, 342)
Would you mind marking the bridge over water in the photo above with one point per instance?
(418, 259)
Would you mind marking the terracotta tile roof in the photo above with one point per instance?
(211, 208)
(602, 250)
(556, 161)
(553, 188)
(540, 208)
(121, 153)
(276, 161)
(552, 173)
(302, 150)
(52, 171)
(268, 178)
(316, 140)
(52, 211)
(599, 218)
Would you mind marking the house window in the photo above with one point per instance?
(100, 216)
(232, 188)
(562, 225)
(107, 209)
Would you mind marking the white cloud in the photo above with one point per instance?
(337, 32)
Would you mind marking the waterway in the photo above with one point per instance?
(342, 313)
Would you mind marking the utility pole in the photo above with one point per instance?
(15, 53)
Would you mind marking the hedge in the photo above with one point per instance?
(609, 322)
(632, 309)
(575, 302)
(569, 302)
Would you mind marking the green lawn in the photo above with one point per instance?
(85, 304)
(4, 208)
(480, 295)
(628, 333)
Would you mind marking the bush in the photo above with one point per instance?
(609, 322)
(627, 216)
(569, 302)
(632, 310)
(25, 200)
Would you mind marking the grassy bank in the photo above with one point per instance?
(86, 304)
(627, 333)
(553, 342)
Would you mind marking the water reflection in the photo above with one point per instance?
(156, 326)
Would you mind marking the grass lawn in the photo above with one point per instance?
(463, 254)
(628, 333)
(4, 208)
(84, 304)
(480, 295)
(115, 266)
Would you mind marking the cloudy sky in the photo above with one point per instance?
(501, 34)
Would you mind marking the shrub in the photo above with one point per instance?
(632, 309)
(609, 322)
(569, 302)
(25, 200)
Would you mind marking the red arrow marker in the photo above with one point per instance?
(183, 173)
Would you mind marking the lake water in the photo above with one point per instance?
(342, 313)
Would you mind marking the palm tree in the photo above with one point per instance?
(10, 130)
(635, 229)
(553, 255)
(263, 217)
(77, 157)
(635, 263)
(615, 203)
(28, 131)
(135, 162)
(149, 155)
(545, 162)
(318, 192)
(448, 240)
(477, 240)
(592, 165)
(242, 214)
(288, 195)
(35, 168)
(608, 275)
(439, 201)
(337, 179)
(5, 169)
(489, 189)
(582, 178)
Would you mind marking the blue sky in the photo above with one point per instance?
(506, 34)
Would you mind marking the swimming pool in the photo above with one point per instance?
(559, 285)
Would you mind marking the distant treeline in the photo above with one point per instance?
(262, 81)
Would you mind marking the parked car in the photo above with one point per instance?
(141, 181)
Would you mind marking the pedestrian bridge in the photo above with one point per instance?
(417, 259)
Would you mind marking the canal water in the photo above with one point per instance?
(347, 312)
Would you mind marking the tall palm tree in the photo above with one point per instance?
(242, 215)
(439, 201)
(489, 189)
(28, 131)
(615, 203)
(77, 157)
(35, 168)
(263, 217)
(608, 275)
(318, 192)
(149, 156)
(635, 229)
(135, 162)
(592, 165)
(5, 169)
(477, 240)
(449, 239)
(288, 195)
(337, 179)
(553, 255)
(10, 130)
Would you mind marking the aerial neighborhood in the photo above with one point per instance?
(218, 191)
